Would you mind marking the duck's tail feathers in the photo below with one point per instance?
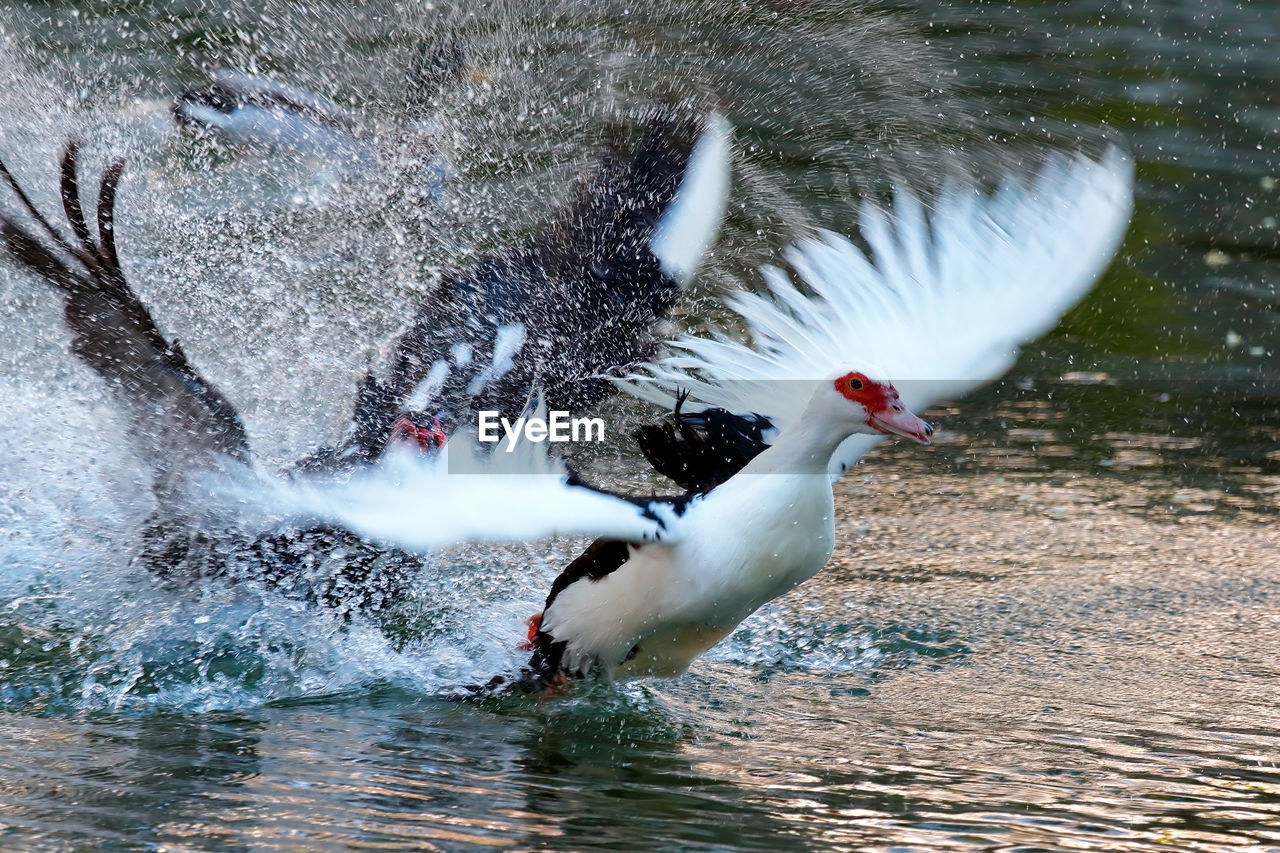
(938, 305)
(700, 450)
(180, 417)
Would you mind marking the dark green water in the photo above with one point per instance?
(1055, 629)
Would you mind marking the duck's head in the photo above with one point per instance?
(439, 65)
(854, 402)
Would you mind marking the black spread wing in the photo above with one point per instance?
(182, 420)
(586, 291)
(700, 451)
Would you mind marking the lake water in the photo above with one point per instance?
(1057, 628)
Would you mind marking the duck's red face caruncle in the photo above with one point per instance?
(885, 412)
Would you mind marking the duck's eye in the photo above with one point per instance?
(855, 384)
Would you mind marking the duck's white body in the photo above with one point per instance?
(670, 603)
(944, 301)
(759, 535)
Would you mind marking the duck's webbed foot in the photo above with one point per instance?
(526, 682)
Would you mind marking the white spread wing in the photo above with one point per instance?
(426, 504)
(939, 305)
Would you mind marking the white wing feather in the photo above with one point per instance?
(426, 504)
(939, 306)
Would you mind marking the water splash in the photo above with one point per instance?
(282, 282)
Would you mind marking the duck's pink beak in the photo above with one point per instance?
(899, 420)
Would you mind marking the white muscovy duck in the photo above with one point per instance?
(618, 254)
(623, 610)
(940, 305)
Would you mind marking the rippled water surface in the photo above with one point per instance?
(1054, 629)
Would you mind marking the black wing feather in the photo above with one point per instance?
(181, 418)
